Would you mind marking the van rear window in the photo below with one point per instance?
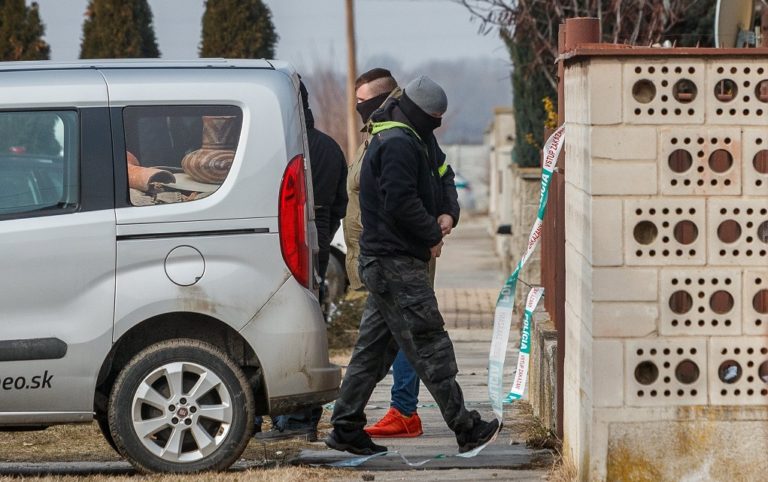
(179, 153)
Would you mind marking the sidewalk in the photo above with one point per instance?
(468, 277)
(467, 282)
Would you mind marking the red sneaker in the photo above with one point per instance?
(396, 425)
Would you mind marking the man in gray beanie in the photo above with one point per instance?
(400, 208)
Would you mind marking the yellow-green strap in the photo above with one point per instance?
(377, 127)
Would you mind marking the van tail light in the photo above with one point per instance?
(292, 220)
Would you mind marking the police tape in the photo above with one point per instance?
(505, 305)
(502, 322)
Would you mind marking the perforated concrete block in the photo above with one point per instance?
(576, 84)
(664, 91)
(666, 371)
(528, 217)
(700, 161)
(616, 319)
(578, 220)
(737, 231)
(579, 359)
(755, 302)
(608, 373)
(755, 161)
(605, 93)
(607, 249)
(710, 448)
(624, 142)
(738, 370)
(578, 156)
(664, 231)
(677, 414)
(624, 284)
(737, 92)
(623, 178)
(578, 283)
(700, 301)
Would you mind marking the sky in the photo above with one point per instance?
(312, 32)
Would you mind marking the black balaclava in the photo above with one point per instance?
(422, 122)
(366, 108)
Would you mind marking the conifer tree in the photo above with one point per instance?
(118, 29)
(21, 32)
(238, 29)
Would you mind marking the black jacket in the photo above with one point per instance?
(329, 183)
(400, 191)
(449, 197)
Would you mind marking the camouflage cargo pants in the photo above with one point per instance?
(401, 313)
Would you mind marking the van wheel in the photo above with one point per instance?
(101, 420)
(181, 406)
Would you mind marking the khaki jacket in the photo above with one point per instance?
(353, 225)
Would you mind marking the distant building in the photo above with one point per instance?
(470, 162)
(500, 137)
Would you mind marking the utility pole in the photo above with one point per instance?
(351, 75)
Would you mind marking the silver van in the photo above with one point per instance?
(156, 246)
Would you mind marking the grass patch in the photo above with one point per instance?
(59, 443)
(278, 474)
(563, 470)
(84, 443)
(530, 429)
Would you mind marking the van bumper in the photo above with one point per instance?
(289, 338)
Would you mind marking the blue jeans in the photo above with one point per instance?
(405, 388)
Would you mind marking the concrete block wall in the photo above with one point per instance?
(542, 375)
(666, 351)
(500, 139)
(524, 197)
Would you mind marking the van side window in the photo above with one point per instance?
(39, 162)
(179, 153)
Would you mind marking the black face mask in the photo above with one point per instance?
(421, 121)
(366, 108)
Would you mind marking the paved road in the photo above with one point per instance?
(507, 452)
(468, 277)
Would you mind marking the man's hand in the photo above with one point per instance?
(446, 223)
(436, 250)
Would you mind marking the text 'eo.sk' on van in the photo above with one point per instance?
(157, 244)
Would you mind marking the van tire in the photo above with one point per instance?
(222, 387)
(103, 423)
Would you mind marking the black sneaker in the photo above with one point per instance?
(481, 433)
(358, 443)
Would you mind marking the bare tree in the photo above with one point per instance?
(327, 97)
(639, 22)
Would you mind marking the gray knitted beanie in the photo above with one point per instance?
(426, 94)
